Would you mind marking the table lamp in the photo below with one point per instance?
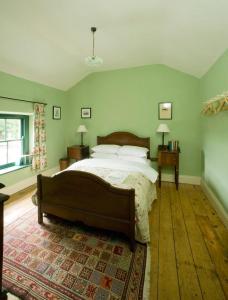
(82, 129)
(163, 128)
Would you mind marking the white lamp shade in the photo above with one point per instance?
(82, 128)
(93, 61)
(163, 128)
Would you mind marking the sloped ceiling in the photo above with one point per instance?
(47, 40)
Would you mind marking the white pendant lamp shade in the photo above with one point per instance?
(163, 128)
(93, 60)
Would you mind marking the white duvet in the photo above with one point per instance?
(123, 168)
(124, 174)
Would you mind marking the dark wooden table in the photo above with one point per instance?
(168, 158)
(78, 152)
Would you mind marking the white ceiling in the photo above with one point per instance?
(47, 40)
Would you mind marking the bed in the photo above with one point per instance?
(79, 194)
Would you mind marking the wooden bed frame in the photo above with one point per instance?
(82, 196)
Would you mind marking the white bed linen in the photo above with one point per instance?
(119, 165)
(124, 174)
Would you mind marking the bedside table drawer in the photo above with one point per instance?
(77, 152)
(74, 153)
(168, 159)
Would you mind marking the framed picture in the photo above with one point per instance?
(165, 111)
(56, 113)
(86, 112)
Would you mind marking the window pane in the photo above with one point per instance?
(2, 129)
(3, 153)
(13, 129)
(14, 151)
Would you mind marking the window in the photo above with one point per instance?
(14, 140)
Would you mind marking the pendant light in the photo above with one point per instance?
(93, 61)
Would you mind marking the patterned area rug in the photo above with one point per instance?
(61, 260)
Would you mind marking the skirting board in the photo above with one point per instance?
(182, 179)
(12, 189)
(215, 203)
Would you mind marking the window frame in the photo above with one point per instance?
(24, 137)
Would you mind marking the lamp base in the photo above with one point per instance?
(162, 147)
(81, 140)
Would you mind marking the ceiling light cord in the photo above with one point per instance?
(93, 60)
(93, 44)
(93, 30)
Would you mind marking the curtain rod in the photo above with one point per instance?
(22, 100)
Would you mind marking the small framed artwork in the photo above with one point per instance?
(56, 113)
(86, 112)
(165, 111)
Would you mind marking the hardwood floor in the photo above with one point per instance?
(189, 243)
(189, 256)
(18, 204)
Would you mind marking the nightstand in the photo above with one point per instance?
(168, 158)
(78, 152)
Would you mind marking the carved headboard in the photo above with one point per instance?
(124, 138)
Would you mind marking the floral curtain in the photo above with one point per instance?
(39, 161)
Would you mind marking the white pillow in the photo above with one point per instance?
(104, 155)
(106, 148)
(129, 158)
(133, 151)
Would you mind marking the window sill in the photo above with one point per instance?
(12, 169)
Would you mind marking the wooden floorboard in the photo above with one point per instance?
(154, 237)
(17, 205)
(188, 279)
(208, 210)
(216, 248)
(168, 287)
(189, 243)
(205, 268)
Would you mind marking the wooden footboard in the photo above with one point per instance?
(82, 196)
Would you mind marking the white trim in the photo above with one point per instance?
(223, 214)
(182, 179)
(12, 189)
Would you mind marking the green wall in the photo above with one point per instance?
(128, 100)
(11, 86)
(215, 132)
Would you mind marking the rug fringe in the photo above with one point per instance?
(146, 288)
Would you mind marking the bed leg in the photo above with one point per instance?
(132, 245)
(40, 217)
(39, 198)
